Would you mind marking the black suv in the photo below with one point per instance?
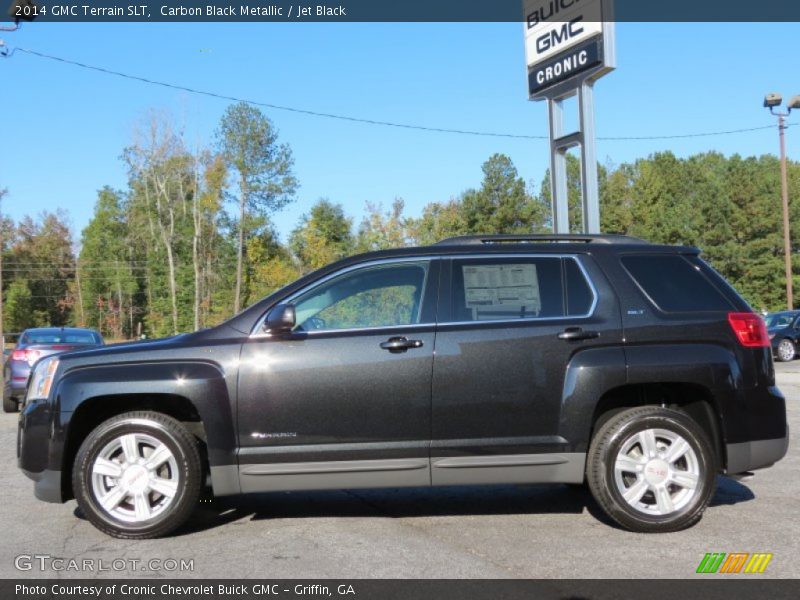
(480, 360)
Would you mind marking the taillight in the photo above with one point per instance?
(29, 356)
(750, 329)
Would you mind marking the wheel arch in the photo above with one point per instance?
(600, 382)
(196, 394)
(695, 400)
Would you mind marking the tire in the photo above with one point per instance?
(786, 350)
(121, 459)
(624, 458)
(10, 404)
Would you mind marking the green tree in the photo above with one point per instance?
(501, 204)
(106, 281)
(380, 230)
(271, 265)
(438, 221)
(18, 311)
(323, 236)
(42, 255)
(249, 143)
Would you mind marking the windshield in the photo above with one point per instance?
(776, 320)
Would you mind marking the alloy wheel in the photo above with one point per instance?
(786, 350)
(134, 477)
(657, 472)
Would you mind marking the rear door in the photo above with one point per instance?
(510, 325)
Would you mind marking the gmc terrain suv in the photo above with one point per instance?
(480, 360)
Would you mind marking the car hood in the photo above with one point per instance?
(123, 350)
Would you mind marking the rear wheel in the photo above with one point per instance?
(138, 475)
(652, 469)
(10, 404)
(786, 350)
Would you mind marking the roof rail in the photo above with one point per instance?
(586, 238)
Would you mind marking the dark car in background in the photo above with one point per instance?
(784, 333)
(35, 344)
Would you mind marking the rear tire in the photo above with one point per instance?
(651, 469)
(138, 475)
(10, 404)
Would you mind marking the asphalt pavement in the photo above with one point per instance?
(530, 531)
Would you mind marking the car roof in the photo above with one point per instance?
(498, 244)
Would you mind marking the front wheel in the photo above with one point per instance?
(138, 475)
(652, 469)
(786, 350)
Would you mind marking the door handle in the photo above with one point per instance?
(400, 344)
(576, 333)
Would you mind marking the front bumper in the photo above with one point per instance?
(756, 454)
(39, 451)
(47, 485)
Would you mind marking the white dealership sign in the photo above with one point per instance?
(563, 38)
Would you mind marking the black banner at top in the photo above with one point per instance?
(382, 10)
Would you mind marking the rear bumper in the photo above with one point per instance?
(16, 389)
(757, 454)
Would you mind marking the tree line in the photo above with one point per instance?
(190, 240)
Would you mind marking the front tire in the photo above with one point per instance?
(786, 350)
(652, 469)
(138, 475)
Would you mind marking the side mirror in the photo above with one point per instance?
(280, 319)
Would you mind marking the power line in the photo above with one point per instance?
(364, 120)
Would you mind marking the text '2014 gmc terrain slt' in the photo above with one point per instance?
(630, 366)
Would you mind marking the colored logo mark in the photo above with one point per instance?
(734, 562)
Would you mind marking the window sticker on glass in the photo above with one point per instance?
(502, 288)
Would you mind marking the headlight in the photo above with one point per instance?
(771, 335)
(42, 379)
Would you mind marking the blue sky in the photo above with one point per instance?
(64, 128)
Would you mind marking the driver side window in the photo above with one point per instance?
(377, 296)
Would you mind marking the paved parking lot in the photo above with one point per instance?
(509, 531)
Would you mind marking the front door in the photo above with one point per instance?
(345, 399)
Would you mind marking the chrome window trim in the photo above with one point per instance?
(574, 257)
(258, 332)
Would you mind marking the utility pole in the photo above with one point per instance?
(787, 245)
(771, 101)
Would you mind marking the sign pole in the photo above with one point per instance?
(589, 180)
(559, 191)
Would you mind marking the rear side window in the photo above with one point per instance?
(503, 289)
(674, 284)
(579, 294)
